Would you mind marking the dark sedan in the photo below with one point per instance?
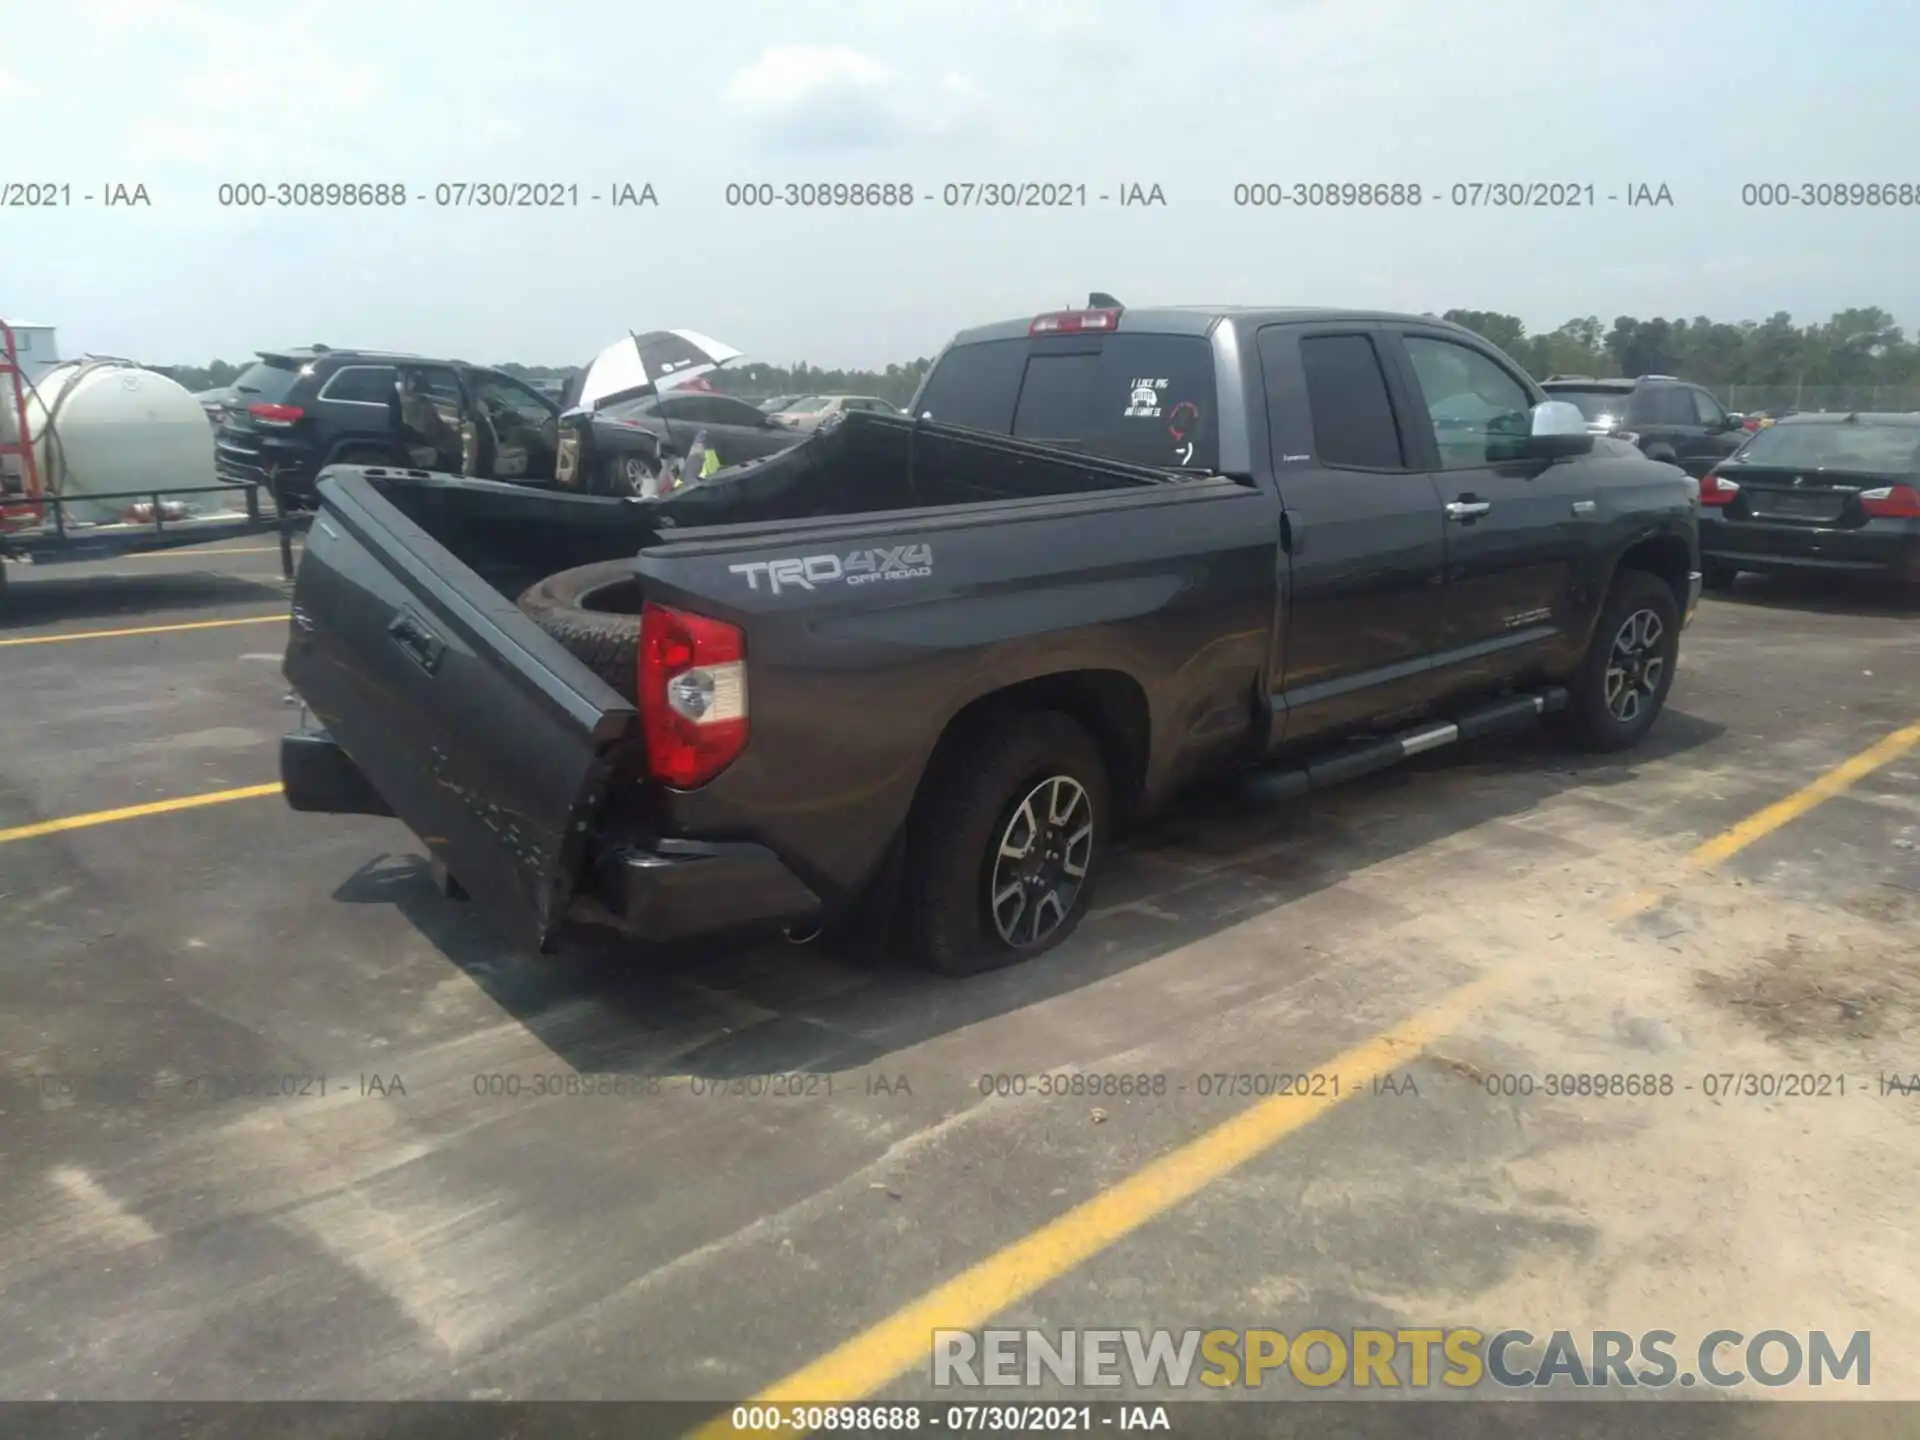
(622, 453)
(1829, 493)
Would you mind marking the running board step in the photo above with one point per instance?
(1284, 782)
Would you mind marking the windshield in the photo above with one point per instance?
(1837, 445)
(808, 405)
(1596, 405)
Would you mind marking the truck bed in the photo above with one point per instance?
(500, 749)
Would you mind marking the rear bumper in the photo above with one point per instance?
(656, 891)
(668, 890)
(318, 777)
(1885, 547)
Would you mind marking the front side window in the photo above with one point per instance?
(1481, 414)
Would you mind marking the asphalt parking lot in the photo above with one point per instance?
(425, 1223)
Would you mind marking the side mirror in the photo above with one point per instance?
(1556, 431)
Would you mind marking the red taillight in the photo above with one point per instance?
(1716, 489)
(270, 414)
(1073, 322)
(693, 695)
(1891, 502)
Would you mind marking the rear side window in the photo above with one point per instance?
(364, 384)
(268, 381)
(1353, 419)
(1673, 406)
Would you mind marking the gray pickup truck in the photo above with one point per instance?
(912, 672)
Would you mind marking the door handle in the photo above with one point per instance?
(412, 635)
(1467, 509)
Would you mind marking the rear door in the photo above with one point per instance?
(480, 731)
(1516, 529)
(1365, 538)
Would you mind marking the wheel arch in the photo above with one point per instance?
(1109, 705)
(1665, 556)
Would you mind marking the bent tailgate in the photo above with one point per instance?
(480, 731)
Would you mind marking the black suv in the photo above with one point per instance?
(296, 411)
(1668, 418)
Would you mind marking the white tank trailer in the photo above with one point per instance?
(107, 427)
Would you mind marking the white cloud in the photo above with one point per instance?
(789, 76)
(834, 97)
(225, 66)
(13, 87)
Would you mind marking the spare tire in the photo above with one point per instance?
(593, 610)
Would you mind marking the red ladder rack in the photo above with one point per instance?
(33, 510)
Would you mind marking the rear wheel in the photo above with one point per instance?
(1006, 846)
(593, 610)
(1622, 683)
(1718, 577)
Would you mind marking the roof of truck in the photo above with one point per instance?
(1200, 319)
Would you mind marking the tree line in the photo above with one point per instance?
(1855, 349)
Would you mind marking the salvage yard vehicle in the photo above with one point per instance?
(296, 411)
(1668, 418)
(1833, 494)
(908, 676)
(619, 449)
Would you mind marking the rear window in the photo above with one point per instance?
(1837, 445)
(810, 404)
(1596, 405)
(268, 380)
(1146, 399)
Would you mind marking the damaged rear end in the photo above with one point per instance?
(524, 774)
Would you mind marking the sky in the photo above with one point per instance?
(1195, 97)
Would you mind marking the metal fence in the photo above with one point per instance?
(1745, 398)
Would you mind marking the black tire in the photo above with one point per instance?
(1604, 724)
(593, 610)
(947, 921)
(619, 475)
(1715, 576)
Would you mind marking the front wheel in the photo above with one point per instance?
(632, 475)
(1718, 577)
(1005, 850)
(1622, 683)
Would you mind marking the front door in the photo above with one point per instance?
(1364, 538)
(1515, 528)
(1717, 438)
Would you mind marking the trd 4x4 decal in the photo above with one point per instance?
(857, 567)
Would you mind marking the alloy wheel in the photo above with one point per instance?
(1635, 666)
(1042, 862)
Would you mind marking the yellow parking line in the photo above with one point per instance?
(1848, 772)
(1762, 823)
(883, 1353)
(135, 812)
(188, 553)
(141, 630)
